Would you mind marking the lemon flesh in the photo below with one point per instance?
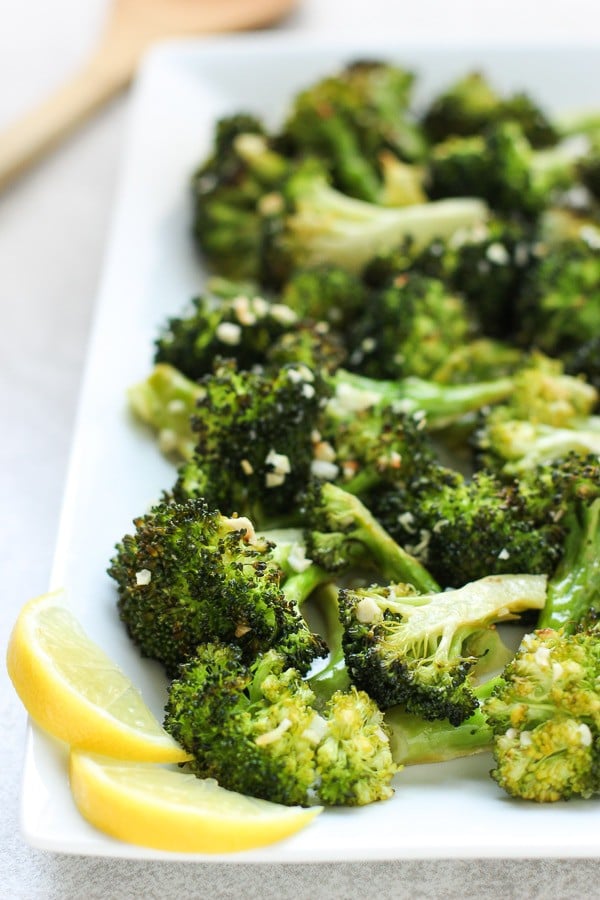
(167, 809)
(74, 691)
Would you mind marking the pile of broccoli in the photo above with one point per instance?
(382, 414)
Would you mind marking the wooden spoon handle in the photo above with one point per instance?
(30, 137)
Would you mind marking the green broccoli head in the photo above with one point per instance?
(559, 305)
(462, 530)
(241, 327)
(379, 446)
(545, 715)
(258, 730)
(325, 294)
(253, 431)
(189, 574)
(350, 118)
(501, 166)
(463, 108)
(408, 328)
(418, 650)
(227, 192)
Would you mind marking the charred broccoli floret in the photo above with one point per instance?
(548, 415)
(559, 304)
(254, 447)
(464, 529)
(471, 104)
(349, 119)
(417, 649)
(545, 715)
(227, 192)
(375, 446)
(408, 328)
(242, 327)
(502, 167)
(260, 730)
(188, 575)
(325, 294)
(341, 533)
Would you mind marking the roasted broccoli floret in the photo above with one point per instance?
(408, 328)
(260, 730)
(227, 192)
(417, 649)
(349, 119)
(464, 529)
(559, 304)
(313, 345)
(341, 533)
(548, 415)
(545, 715)
(574, 587)
(485, 264)
(253, 439)
(166, 401)
(241, 327)
(189, 574)
(375, 446)
(502, 167)
(325, 294)
(440, 404)
(471, 104)
(317, 224)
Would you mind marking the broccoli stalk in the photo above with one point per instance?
(189, 574)
(417, 650)
(440, 403)
(319, 225)
(545, 716)
(166, 401)
(341, 533)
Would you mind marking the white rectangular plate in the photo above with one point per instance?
(450, 810)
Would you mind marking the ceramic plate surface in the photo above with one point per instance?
(450, 810)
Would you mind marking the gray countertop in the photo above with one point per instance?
(53, 228)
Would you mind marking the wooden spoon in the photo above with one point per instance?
(132, 26)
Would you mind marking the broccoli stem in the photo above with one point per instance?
(298, 587)
(346, 512)
(333, 676)
(575, 584)
(415, 741)
(442, 404)
(328, 226)
(165, 401)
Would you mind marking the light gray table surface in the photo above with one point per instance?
(53, 227)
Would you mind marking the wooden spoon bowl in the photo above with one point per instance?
(132, 27)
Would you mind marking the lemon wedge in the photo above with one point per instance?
(74, 691)
(167, 809)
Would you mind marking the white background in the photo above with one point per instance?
(53, 227)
